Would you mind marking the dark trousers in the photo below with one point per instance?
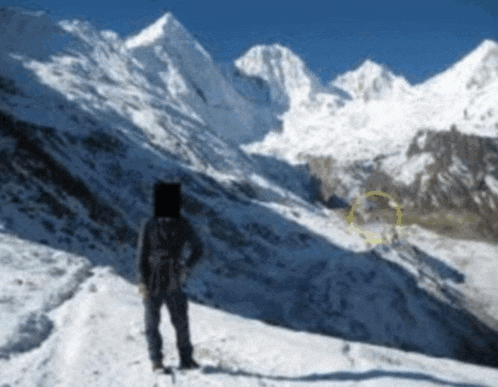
(176, 302)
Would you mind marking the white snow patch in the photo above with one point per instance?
(492, 183)
(405, 169)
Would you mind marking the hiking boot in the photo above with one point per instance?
(157, 365)
(189, 364)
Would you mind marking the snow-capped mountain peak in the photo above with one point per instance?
(488, 66)
(290, 80)
(172, 57)
(475, 70)
(369, 66)
(167, 27)
(370, 81)
(152, 33)
(481, 51)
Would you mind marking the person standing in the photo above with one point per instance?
(162, 271)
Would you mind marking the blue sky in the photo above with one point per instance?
(415, 39)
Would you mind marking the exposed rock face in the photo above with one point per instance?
(462, 173)
(438, 170)
(34, 183)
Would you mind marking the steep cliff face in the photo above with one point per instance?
(459, 171)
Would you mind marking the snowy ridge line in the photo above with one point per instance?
(381, 111)
(475, 70)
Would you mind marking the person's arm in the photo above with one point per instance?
(195, 245)
(142, 254)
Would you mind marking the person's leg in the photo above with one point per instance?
(177, 305)
(152, 319)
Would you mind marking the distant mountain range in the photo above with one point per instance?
(368, 121)
(291, 82)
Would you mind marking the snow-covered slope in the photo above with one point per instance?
(466, 94)
(96, 338)
(253, 88)
(79, 159)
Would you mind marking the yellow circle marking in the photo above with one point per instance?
(372, 238)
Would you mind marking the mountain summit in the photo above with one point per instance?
(166, 27)
(371, 81)
(290, 80)
(474, 71)
(170, 56)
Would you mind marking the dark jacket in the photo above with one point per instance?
(160, 246)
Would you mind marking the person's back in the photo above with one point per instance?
(161, 268)
(161, 264)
